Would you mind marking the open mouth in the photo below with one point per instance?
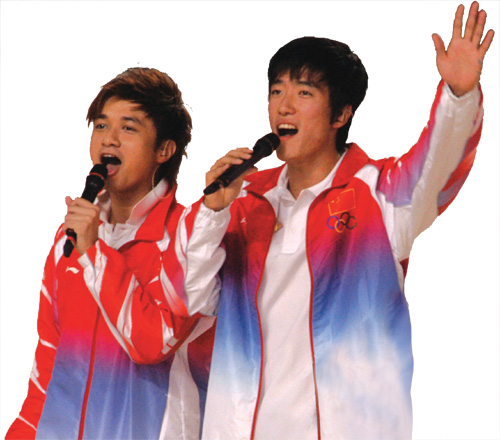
(287, 130)
(109, 159)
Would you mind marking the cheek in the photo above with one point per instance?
(143, 157)
(94, 149)
(270, 111)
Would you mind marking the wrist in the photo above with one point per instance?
(209, 203)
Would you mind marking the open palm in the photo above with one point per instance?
(461, 64)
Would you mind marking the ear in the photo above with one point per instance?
(343, 118)
(165, 151)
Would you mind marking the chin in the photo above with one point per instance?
(281, 153)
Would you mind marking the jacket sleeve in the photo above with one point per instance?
(149, 320)
(25, 426)
(415, 188)
(205, 257)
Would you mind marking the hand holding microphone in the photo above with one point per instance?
(263, 147)
(94, 184)
(232, 167)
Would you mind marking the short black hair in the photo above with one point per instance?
(328, 61)
(160, 98)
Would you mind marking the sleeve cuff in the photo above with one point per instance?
(466, 97)
(207, 217)
(85, 261)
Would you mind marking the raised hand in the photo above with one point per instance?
(461, 64)
(225, 195)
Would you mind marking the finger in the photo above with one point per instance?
(217, 171)
(457, 23)
(74, 202)
(471, 21)
(438, 45)
(83, 202)
(225, 162)
(83, 210)
(234, 157)
(78, 223)
(485, 45)
(241, 153)
(479, 29)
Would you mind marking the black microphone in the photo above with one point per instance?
(263, 147)
(93, 185)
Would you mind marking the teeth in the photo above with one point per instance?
(287, 129)
(287, 126)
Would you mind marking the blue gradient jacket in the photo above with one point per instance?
(358, 239)
(94, 321)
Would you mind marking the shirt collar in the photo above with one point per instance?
(314, 190)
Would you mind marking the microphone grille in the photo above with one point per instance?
(268, 143)
(100, 170)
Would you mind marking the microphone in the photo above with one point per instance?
(263, 147)
(93, 185)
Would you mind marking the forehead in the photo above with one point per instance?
(303, 76)
(121, 107)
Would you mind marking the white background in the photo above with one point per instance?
(56, 55)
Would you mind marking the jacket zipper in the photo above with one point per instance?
(313, 357)
(254, 422)
(310, 334)
(89, 378)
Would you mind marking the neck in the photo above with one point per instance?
(302, 176)
(120, 212)
(122, 206)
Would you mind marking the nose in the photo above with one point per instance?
(111, 138)
(286, 104)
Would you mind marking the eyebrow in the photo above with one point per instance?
(303, 82)
(124, 118)
(132, 119)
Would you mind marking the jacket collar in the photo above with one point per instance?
(149, 215)
(355, 159)
(153, 228)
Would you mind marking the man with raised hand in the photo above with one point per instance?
(313, 329)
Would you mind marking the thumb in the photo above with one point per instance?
(68, 200)
(438, 45)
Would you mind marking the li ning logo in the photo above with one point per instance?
(340, 219)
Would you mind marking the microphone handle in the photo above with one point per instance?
(70, 234)
(94, 184)
(231, 173)
(70, 242)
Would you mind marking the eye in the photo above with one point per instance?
(129, 128)
(99, 126)
(275, 92)
(305, 93)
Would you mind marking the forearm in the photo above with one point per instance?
(205, 257)
(453, 139)
(418, 186)
(137, 313)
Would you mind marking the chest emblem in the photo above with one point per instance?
(339, 209)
